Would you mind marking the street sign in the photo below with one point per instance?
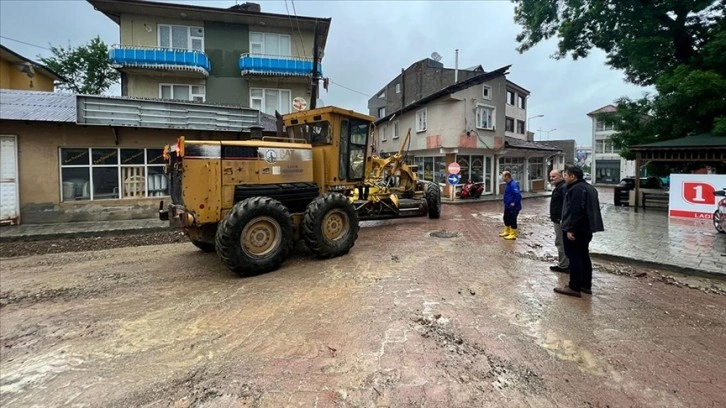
(453, 179)
(454, 168)
(299, 104)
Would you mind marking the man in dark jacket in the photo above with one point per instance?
(580, 219)
(512, 206)
(556, 201)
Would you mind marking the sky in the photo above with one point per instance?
(371, 41)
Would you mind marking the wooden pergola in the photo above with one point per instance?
(699, 148)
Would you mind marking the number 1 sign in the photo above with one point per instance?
(691, 195)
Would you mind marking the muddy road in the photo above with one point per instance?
(420, 313)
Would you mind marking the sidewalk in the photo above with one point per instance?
(647, 237)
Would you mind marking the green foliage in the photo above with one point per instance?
(679, 46)
(86, 67)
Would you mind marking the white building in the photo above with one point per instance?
(607, 166)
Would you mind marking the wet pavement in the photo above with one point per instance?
(647, 237)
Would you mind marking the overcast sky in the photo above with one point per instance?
(371, 41)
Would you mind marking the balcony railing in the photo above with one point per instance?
(159, 58)
(275, 65)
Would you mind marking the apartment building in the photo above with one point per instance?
(472, 117)
(237, 56)
(607, 166)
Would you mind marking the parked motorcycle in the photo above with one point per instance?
(472, 190)
(719, 216)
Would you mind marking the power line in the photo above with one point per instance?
(297, 20)
(26, 43)
(352, 90)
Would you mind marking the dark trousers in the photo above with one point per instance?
(510, 218)
(578, 252)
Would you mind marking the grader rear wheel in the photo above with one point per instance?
(255, 237)
(330, 225)
(433, 200)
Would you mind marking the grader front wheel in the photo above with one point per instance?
(255, 237)
(433, 200)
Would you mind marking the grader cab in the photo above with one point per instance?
(250, 200)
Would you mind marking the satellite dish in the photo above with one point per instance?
(319, 103)
(436, 56)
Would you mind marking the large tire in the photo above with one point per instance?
(717, 222)
(330, 225)
(433, 200)
(256, 236)
(204, 246)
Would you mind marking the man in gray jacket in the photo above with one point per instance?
(580, 219)
(556, 201)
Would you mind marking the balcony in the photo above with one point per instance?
(164, 59)
(278, 66)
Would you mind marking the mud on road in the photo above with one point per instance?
(413, 316)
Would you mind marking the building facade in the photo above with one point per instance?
(237, 56)
(478, 122)
(607, 166)
(20, 73)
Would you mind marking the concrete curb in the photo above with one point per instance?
(46, 236)
(659, 265)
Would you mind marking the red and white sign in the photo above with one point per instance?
(691, 195)
(454, 168)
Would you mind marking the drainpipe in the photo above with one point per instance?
(456, 67)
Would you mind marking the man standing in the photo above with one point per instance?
(580, 219)
(512, 206)
(556, 201)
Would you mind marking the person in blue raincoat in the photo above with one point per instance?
(512, 206)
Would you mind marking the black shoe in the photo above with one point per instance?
(588, 291)
(557, 268)
(566, 290)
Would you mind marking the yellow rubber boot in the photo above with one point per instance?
(506, 231)
(512, 234)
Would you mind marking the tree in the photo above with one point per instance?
(679, 46)
(87, 67)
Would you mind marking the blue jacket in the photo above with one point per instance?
(512, 195)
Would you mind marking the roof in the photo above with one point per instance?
(604, 109)
(13, 57)
(37, 106)
(475, 80)
(517, 87)
(688, 142)
(515, 143)
(113, 9)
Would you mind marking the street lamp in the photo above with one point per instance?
(532, 117)
(546, 131)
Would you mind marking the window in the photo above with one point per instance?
(510, 97)
(421, 120)
(431, 168)
(514, 165)
(508, 124)
(605, 146)
(520, 127)
(398, 88)
(181, 37)
(472, 168)
(485, 117)
(520, 101)
(112, 173)
(486, 92)
(382, 132)
(270, 44)
(196, 93)
(602, 125)
(382, 95)
(536, 168)
(270, 100)
(381, 112)
(395, 130)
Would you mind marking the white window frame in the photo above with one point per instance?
(398, 88)
(479, 122)
(190, 37)
(193, 96)
(514, 124)
(523, 100)
(383, 132)
(421, 119)
(381, 112)
(268, 37)
(514, 97)
(486, 92)
(395, 130)
(262, 102)
(382, 95)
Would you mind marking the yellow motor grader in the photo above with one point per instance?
(250, 200)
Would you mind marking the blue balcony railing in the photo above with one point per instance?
(276, 65)
(160, 58)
